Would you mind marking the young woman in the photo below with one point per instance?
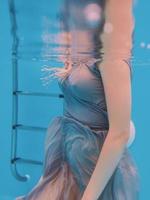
(86, 149)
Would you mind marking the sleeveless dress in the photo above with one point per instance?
(74, 140)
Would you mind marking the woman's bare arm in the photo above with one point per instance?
(117, 85)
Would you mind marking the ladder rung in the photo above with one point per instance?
(38, 94)
(23, 160)
(28, 128)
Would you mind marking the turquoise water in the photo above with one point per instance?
(36, 32)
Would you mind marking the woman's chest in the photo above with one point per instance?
(84, 84)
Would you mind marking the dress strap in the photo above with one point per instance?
(89, 62)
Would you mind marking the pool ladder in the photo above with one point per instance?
(14, 158)
(15, 127)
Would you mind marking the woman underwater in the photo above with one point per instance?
(86, 150)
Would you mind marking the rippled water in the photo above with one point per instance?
(48, 32)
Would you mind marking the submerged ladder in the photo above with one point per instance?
(14, 158)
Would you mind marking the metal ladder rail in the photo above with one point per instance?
(15, 126)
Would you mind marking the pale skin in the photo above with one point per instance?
(117, 85)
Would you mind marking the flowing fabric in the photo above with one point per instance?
(74, 141)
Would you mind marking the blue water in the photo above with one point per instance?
(36, 32)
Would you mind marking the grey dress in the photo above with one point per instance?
(74, 140)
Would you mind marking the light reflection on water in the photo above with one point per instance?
(49, 32)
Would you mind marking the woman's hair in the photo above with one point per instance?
(64, 14)
(63, 72)
(60, 73)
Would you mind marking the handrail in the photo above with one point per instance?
(14, 159)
